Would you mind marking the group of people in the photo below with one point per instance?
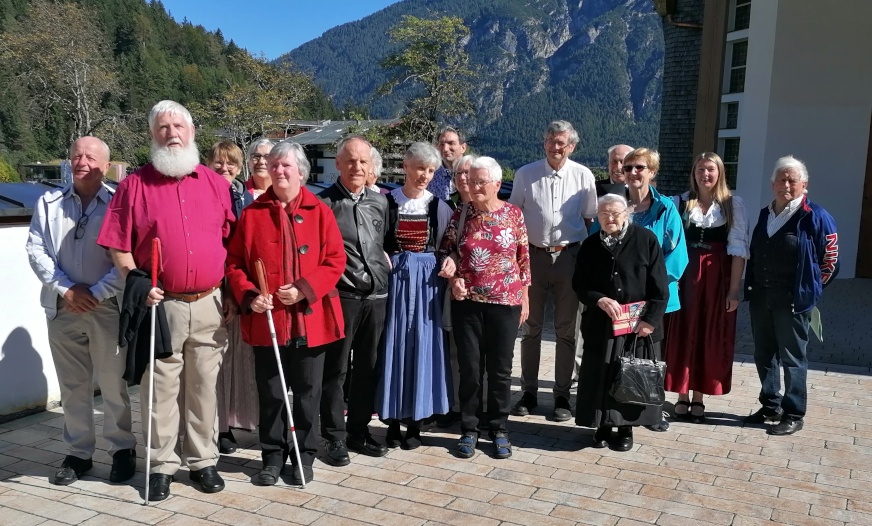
(404, 304)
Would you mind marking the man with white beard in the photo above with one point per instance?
(187, 206)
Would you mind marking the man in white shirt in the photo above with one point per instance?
(558, 198)
(80, 285)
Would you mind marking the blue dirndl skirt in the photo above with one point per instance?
(414, 367)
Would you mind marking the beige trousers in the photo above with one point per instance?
(82, 345)
(199, 339)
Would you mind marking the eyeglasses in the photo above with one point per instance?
(80, 227)
(477, 184)
(611, 215)
(639, 167)
(259, 157)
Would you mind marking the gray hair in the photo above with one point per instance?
(252, 148)
(562, 127)
(466, 159)
(461, 137)
(494, 172)
(285, 148)
(611, 199)
(790, 162)
(425, 153)
(343, 142)
(615, 147)
(171, 107)
(377, 162)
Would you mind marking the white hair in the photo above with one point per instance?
(610, 199)
(425, 153)
(377, 163)
(790, 162)
(615, 147)
(263, 141)
(286, 148)
(494, 172)
(170, 107)
(466, 159)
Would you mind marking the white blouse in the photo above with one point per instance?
(738, 239)
(420, 205)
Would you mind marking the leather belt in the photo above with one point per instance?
(191, 297)
(552, 250)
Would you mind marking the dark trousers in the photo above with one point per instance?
(485, 335)
(780, 340)
(303, 368)
(364, 324)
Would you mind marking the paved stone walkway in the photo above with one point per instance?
(721, 472)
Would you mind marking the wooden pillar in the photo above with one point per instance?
(711, 73)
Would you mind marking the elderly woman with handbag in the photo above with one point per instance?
(620, 265)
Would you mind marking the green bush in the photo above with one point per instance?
(8, 173)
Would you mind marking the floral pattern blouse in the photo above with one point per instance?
(494, 254)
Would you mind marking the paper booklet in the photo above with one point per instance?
(629, 318)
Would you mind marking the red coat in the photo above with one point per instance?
(321, 255)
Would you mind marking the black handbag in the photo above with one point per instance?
(639, 380)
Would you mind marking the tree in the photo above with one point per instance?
(260, 98)
(69, 72)
(433, 64)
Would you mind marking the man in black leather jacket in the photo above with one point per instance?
(362, 217)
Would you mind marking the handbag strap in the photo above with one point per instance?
(648, 344)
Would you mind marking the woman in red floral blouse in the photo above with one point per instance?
(489, 290)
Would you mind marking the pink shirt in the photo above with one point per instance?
(191, 217)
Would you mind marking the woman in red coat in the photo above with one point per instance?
(297, 238)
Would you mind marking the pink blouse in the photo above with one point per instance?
(494, 254)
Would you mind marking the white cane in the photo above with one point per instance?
(155, 267)
(264, 288)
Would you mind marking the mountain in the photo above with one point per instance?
(596, 63)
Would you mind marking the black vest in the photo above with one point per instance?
(391, 244)
(775, 257)
(697, 236)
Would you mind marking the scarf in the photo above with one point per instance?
(291, 267)
(611, 241)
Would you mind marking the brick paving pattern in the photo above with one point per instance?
(722, 472)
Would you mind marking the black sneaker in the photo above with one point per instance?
(763, 415)
(562, 409)
(337, 454)
(525, 405)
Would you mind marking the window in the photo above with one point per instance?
(738, 60)
(730, 156)
(730, 116)
(742, 15)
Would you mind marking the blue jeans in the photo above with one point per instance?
(780, 340)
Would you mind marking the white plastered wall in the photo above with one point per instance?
(807, 93)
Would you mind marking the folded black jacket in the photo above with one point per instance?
(134, 327)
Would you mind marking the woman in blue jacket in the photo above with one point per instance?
(794, 255)
(658, 214)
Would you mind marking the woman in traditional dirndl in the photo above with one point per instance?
(415, 379)
(702, 335)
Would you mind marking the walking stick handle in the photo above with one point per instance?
(261, 277)
(155, 260)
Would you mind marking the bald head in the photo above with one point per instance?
(616, 162)
(89, 160)
(94, 144)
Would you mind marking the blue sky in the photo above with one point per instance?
(269, 27)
